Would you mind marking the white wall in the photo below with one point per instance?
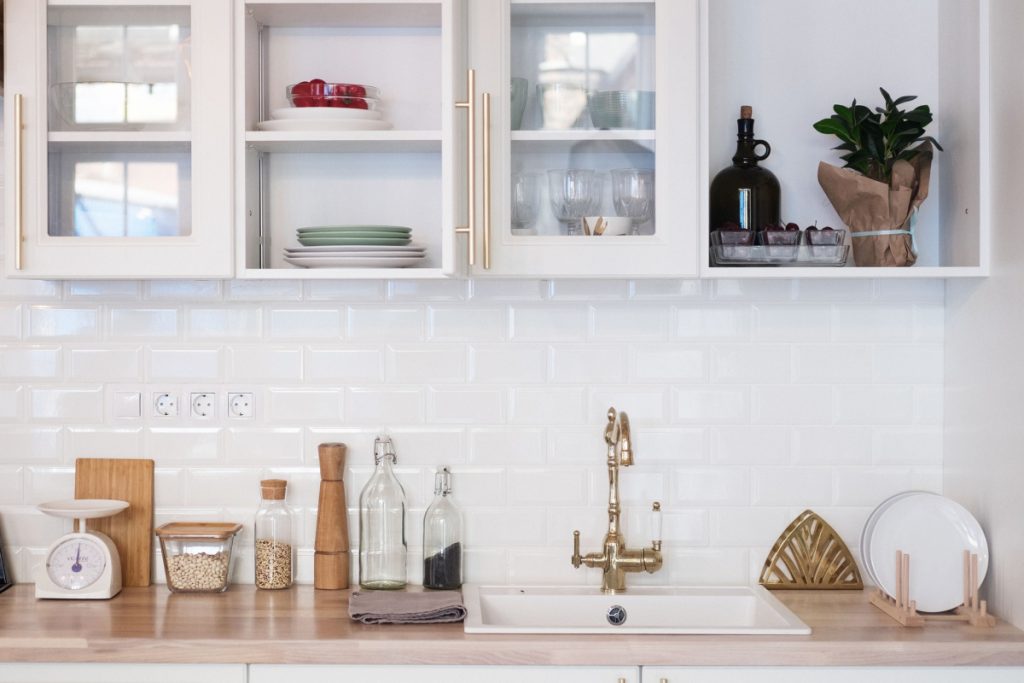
(984, 466)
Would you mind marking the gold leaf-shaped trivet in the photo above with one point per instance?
(811, 555)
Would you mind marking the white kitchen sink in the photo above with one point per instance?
(712, 610)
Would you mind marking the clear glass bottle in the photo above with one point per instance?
(382, 547)
(442, 537)
(275, 553)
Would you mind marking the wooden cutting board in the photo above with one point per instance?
(131, 530)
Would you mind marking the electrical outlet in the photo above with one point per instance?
(202, 405)
(241, 405)
(165, 405)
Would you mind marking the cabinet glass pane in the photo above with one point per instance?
(582, 98)
(123, 68)
(119, 194)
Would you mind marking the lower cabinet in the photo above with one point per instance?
(122, 673)
(787, 674)
(444, 674)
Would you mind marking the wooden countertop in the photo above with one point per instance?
(306, 626)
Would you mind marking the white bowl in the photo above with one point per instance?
(614, 226)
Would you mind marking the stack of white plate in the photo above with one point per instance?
(324, 119)
(935, 531)
(355, 246)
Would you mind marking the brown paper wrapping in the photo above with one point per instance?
(867, 205)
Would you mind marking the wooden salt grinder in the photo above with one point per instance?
(330, 562)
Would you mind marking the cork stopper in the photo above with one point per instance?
(746, 112)
(273, 489)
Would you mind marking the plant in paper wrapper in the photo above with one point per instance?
(885, 178)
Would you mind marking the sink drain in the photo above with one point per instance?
(616, 615)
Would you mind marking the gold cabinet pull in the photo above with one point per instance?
(19, 180)
(487, 181)
(469, 104)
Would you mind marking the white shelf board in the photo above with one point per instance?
(342, 274)
(332, 14)
(120, 137)
(346, 141)
(850, 272)
(575, 135)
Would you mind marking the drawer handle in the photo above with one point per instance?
(469, 104)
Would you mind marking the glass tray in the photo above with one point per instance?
(798, 256)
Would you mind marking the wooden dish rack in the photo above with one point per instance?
(904, 610)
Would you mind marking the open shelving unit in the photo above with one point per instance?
(792, 72)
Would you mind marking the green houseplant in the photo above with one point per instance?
(884, 180)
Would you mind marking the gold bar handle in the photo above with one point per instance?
(19, 180)
(469, 104)
(487, 181)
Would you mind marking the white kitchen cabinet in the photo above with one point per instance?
(414, 52)
(259, 673)
(792, 60)
(565, 53)
(832, 674)
(122, 673)
(116, 117)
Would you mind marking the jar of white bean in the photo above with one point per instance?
(197, 555)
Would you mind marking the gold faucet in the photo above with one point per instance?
(615, 560)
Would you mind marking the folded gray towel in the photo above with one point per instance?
(400, 607)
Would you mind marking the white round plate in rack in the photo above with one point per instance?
(869, 525)
(353, 261)
(935, 531)
(322, 125)
(322, 113)
(355, 249)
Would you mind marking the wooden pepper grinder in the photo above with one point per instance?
(330, 562)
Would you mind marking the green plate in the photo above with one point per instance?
(339, 241)
(355, 228)
(353, 235)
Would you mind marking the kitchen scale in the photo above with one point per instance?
(82, 565)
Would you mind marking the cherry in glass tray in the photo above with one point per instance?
(793, 256)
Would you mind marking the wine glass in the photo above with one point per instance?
(633, 195)
(525, 200)
(573, 194)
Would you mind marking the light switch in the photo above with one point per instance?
(128, 404)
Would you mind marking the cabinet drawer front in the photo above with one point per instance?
(443, 674)
(833, 674)
(122, 673)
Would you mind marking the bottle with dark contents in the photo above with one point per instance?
(745, 196)
(442, 537)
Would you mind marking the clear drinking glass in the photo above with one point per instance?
(525, 202)
(573, 194)
(633, 195)
(382, 546)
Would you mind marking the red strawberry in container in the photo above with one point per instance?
(355, 91)
(301, 95)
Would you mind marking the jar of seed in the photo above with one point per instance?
(275, 553)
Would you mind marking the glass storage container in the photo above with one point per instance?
(274, 550)
(442, 537)
(197, 555)
(382, 546)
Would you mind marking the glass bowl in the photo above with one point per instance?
(317, 93)
(197, 555)
(629, 109)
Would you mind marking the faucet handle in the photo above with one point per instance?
(576, 559)
(656, 525)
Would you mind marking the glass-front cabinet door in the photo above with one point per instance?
(118, 129)
(593, 141)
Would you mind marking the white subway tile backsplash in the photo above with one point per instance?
(750, 401)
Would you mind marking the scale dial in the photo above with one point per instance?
(76, 563)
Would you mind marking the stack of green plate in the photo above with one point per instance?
(355, 235)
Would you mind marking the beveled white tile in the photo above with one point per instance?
(10, 321)
(831, 363)
(277, 445)
(347, 291)
(467, 323)
(105, 365)
(433, 446)
(870, 486)
(386, 323)
(436, 363)
(99, 289)
(466, 406)
(823, 290)
(304, 405)
(633, 322)
(184, 364)
(909, 364)
(484, 566)
(795, 323)
(25, 290)
(720, 322)
(873, 322)
(670, 445)
(880, 405)
(587, 363)
(174, 445)
(56, 321)
(799, 486)
(508, 363)
(30, 362)
(12, 485)
(765, 445)
(547, 486)
(752, 290)
(12, 403)
(264, 290)
(507, 290)
(506, 446)
(477, 486)
(697, 405)
(43, 484)
(504, 527)
(131, 323)
(589, 290)
(920, 446)
(220, 487)
(747, 526)
(642, 404)
(680, 527)
(670, 289)
(583, 445)
(797, 405)
(750, 364)
(668, 363)
(31, 445)
(711, 486)
(25, 526)
(254, 363)
(547, 406)
(348, 364)
(707, 566)
(103, 442)
(308, 323)
(639, 486)
(183, 290)
(833, 445)
(528, 567)
(169, 486)
(548, 323)
(225, 323)
(929, 322)
(370, 407)
(428, 290)
(68, 405)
